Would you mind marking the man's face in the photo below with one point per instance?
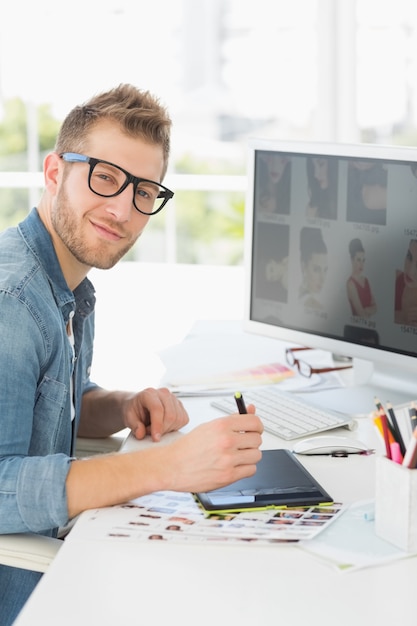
(99, 231)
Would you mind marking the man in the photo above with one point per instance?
(102, 184)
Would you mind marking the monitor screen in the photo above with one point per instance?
(331, 253)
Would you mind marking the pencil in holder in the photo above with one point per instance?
(396, 504)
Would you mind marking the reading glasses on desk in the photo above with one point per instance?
(305, 369)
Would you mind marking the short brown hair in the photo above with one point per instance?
(138, 113)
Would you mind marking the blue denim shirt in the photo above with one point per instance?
(36, 366)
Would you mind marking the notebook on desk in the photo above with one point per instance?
(280, 481)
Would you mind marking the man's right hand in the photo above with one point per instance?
(215, 453)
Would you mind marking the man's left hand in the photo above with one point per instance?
(154, 412)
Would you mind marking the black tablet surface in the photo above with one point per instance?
(280, 481)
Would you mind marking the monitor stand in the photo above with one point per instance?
(369, 381)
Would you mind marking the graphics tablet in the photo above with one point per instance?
(280, 481)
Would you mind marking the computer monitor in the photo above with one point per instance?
(331, 259)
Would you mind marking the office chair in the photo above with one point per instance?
(36, 552)
(28, 551)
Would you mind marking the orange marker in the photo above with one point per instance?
(380, 422)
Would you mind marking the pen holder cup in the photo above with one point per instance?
(396, 504)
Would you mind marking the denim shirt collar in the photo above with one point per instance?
(40, 243)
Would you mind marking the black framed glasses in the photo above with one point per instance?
(305, 369)
(108, 180)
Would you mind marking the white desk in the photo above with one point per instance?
(158, 583)
(154, 583)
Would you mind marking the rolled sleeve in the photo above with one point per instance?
(33, 495)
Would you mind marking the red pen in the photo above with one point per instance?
(381, 411)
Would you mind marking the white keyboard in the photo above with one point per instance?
(284, 414)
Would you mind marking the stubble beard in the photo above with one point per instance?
(70, 230)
